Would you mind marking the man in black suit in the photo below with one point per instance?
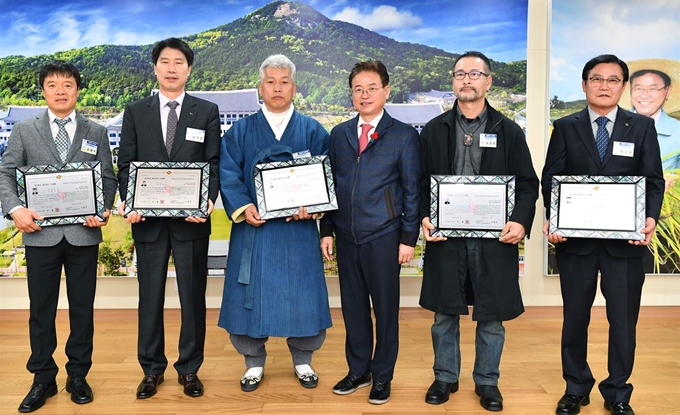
(144, 138)
(581, 145)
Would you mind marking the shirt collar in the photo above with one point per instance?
(164, 100)
(374, 122)
(52, 117)
(611, 115)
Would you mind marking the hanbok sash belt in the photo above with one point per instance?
(274, 153)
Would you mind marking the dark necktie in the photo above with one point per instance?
(363, 138)
(62, 140)
(172, 126)
(602, 136)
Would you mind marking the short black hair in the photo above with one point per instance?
(604, 59)
(174, 43)
(664, 77)
(370, 66)
(475, 54)
(62, 68)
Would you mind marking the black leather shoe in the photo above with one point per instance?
(571, 404)
(192, 384)
(37, 396)
(149, 386)
(619, 408)
(439, 392)
(489, 397)
(308, 380)
(380, 393)
(80, 391)
(351, 383)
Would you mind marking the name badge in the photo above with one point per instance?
(89, 147)
(300, 154)
(623, 149)
(487, 140)
(195, 135)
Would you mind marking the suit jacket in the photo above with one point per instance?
(378, 191)
(141, 139)
(31, 143)
(572, 151)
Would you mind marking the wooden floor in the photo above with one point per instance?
(531, 380)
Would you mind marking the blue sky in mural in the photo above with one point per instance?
(33, 27)
(630, 29)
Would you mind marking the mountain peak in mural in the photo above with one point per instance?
(228, 58)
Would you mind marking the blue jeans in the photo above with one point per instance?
(489, 341)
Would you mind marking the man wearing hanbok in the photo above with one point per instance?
(274, 284)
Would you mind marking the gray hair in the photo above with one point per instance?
(277, 61)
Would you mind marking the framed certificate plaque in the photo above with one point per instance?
(603, 207)
(64, 194)
(471, 206)
(284, 186)
(168, 189)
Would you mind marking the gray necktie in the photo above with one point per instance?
(172, 126)
(62, 140)
(602, 137)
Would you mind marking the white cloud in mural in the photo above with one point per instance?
(382, 18)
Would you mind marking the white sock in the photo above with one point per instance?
(302, 369)
(254, 372)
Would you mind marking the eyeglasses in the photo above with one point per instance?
(473, 75)
(370, 91)
(651, 90)
(598, 80)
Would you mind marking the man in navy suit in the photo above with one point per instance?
(144, 137)
(36, 141)
(573, 150)
(376, 167)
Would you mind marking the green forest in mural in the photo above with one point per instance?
(228, 58)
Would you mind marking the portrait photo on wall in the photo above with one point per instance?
(111, 44)
(644, 35)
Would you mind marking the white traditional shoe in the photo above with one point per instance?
(307, 376)
(251, 379)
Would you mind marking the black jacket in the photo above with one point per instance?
(497, 296)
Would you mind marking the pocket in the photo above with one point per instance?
(389, 200)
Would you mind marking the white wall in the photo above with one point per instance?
(537, 289)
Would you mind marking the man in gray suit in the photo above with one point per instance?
(46, 139)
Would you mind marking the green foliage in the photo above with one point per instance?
(665, 245)
(228, 58)
(111, 258)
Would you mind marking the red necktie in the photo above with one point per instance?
(363, 138)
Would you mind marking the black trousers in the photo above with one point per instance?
(368, 273)
(44, 266)
(191, 265)
(621, 284)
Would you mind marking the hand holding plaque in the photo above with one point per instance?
(470, 206)
(168, 189)
(602, 207)
(62, 194)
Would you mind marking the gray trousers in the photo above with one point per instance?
(301, 348)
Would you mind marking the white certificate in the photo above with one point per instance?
(174, 188)
(61, 194)
(597, 206)
(472, 206)
(294, 186)
(603, 207)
